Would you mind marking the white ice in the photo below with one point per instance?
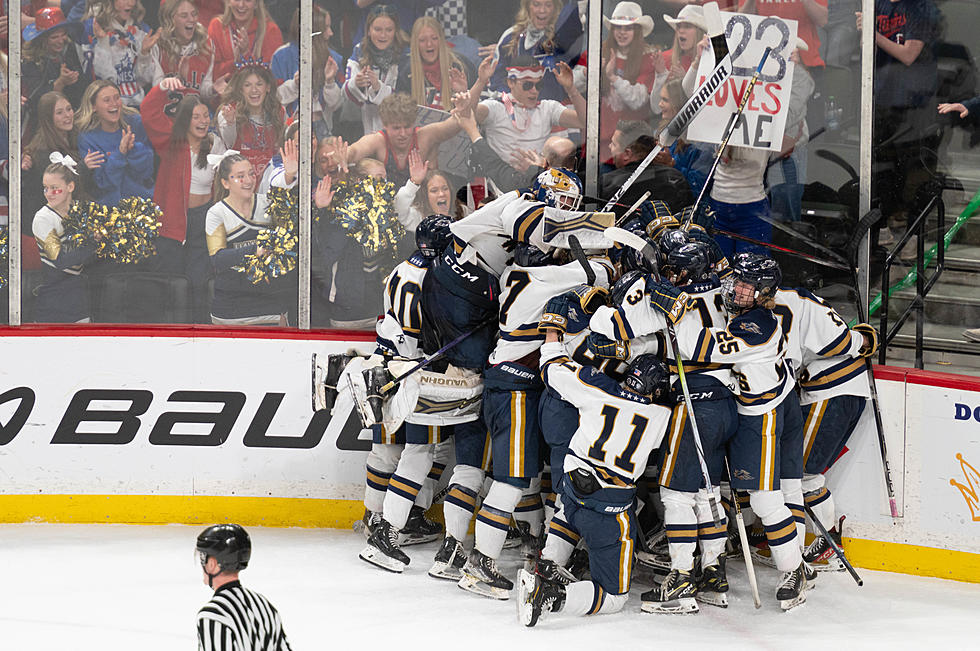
(106, 587)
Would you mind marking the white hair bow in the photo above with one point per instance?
(67, 161)
(215, 159)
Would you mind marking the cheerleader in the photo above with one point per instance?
(63, 294)
(118, 47)
(232, 226)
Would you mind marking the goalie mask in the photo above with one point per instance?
(648, 376)
(752, 283)
(559, 188)
(432, 236)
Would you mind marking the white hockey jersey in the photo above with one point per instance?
(636, 319)
(524, 292)
(401, 326)
(617, 429)
(820, 347)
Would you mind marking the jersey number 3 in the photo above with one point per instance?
(625, 460)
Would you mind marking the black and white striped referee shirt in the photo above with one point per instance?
(238, 619)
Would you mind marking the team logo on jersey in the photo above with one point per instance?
(969, 488)
(751, 326)
(744, 475)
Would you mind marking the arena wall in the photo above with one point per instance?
(193, 426)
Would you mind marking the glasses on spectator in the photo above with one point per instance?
(528, 85)
(240, 178)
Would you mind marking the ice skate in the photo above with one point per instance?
(382, 549)
(675, 595)
(481, 576)
(713, 585)
(657, 562)
(820, 555)
(368, 523)
(449, 560)
(538, 594)
(419, 529)
(791, 591)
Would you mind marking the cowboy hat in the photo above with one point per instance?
(629, 13)
(48, 19)
(692, 14)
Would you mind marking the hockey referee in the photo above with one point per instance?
(236, 618)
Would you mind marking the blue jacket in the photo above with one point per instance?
(121, 175)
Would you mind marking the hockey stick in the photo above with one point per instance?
(863, 227)
(385, 388)
(730, 129)
(702, 95)
(624, 237)
(743, 537)
(809, 241)
(799, 254)
(833, 545)
(579, 255)
(634, 207)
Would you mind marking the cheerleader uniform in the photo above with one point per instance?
(63, 294)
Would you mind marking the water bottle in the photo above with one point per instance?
(832, 114)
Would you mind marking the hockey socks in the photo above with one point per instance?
(681, 522)
(406, 482)
(780, 527)
(711, 538)
(381, 463)
(493, 519)
(792, 490)
(820, 500)
(588, 598)
(460, 504)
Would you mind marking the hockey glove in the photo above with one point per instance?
(671, 301)
(590, 298)
(605, 348)
(656, 227)
(555, 317)
(653, 211)
(704, 217)
(870, 335)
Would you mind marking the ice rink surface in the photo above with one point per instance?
(107, 587)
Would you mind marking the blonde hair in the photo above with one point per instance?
(364, 167)
(675, 51)
(447, 59)
(398, 108)
(263, 18)
(87, 119)
(523, 19)
(167, 41)
(104, 13)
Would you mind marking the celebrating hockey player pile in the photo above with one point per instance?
(557, 374)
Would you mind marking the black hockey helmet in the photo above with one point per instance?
(693, 258)
(528, 255)
(669, 240)
(622, 286)
(647, 376)
(760, 272)
(632, 260)
(432, 236)
(228, 544)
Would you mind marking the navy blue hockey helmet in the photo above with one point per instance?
(633, 260)
(669, 240)
(623, 285)
(760, 272)
(528, 255)
(559, 188)
(647, 376)
(692, 258)
(228, 544)
(432, 236)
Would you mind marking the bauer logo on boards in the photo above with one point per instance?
(969, 487)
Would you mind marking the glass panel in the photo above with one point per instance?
(924, 58)
(138, 99)
(395, 106)
(805, 188)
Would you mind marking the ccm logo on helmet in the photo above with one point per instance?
(80, 422)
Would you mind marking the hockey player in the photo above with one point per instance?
(510, 402)
(619, 425)
(236, 618)
(398, 335)
(827, 357)
(768, 442)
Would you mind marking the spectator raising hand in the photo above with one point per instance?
(417, 167)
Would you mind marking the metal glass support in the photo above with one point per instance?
(305, 159)
(864, 135)
(592, 99)
(13, 164)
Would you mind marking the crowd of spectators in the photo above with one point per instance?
(193, 104)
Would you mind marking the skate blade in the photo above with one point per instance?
(525, 585)
(652, 562)
(476, 586)
(790, 604)
(371, 555)
(445, 571)
(719, 599)
(831, 565)
(765, 559)
(683, 606)
(409, 539)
